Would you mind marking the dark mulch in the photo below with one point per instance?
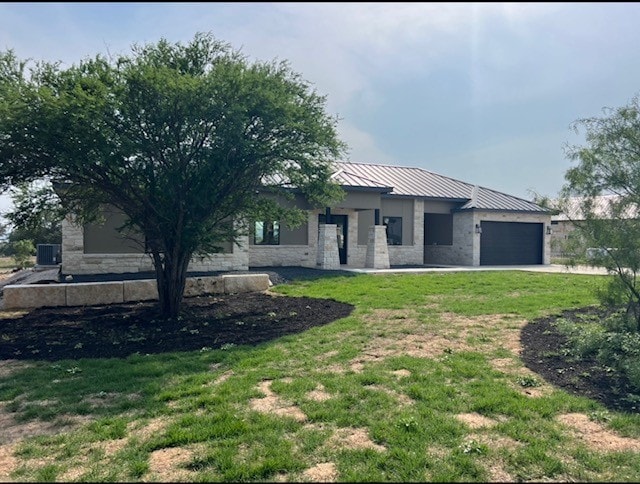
(120, 330)
(544, 351)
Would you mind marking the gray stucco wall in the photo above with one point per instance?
(400, 208)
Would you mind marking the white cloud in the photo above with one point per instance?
(362, 145)
(527, 163)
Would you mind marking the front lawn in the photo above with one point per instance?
(422, 381)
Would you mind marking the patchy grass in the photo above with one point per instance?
(421, 383)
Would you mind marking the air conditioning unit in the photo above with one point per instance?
(48, 254)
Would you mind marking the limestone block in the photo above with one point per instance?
(142, 290)
(377, 255)
(94, 293)
(239, 283)
(34, 296)
(197, 286)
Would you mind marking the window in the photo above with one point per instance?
(267, 233)
(394, 230)
(438, 229)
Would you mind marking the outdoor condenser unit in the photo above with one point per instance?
(48, 254)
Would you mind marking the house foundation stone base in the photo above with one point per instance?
(328, 256)
(377, 256)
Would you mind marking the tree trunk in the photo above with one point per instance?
(171, 275)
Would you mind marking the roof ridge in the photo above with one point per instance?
(474, 190)
(409, 168)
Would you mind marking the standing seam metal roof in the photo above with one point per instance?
(417, 182)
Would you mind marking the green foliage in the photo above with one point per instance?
(23, 250)
(181, 138)
(36, 215)
(608, 164)
(613, 340)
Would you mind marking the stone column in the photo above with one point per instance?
(327, 256)
(377, 251)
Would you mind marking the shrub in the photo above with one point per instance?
(612, 340)
(23, 250)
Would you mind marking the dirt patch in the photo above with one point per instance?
(403, 334)
(9, 367)
(165, 464)
(14, 431)
(401, 373)
(354, 438)
(8, 463)
(318, 394)
(498, 474)
(120, 330)
(224, 377)
(148, 429)
(273, 404)
(475, 420)
(597, 436)
(325, 472)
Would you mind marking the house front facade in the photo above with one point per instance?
(390, 216)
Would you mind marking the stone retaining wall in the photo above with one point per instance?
(97, 293)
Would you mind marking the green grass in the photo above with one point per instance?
(383, 396)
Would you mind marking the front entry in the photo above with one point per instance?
(341, 222)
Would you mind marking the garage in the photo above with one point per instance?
(511, 243)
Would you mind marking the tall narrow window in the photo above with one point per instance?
(267, 233)
(394, 230)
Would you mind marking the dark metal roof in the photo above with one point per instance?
(417, 182)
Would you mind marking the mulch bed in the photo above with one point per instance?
(120, 330)
(543, 352)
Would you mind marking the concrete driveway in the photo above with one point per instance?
(556, 268)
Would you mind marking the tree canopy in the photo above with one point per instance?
(36, 214)
(609, 164)
(179, 137)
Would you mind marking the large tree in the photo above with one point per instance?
(179, 137)
(609, 164)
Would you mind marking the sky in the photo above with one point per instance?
(481, 92)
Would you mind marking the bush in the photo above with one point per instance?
(612, 340)
(23, 250)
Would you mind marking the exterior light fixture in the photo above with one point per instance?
(478, 229)
(549, 230)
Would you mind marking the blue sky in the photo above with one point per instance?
(482, 92)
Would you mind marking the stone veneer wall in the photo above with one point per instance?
(75, 261)
(306, 255)
(288, 255)
(377, 248)
(465, 249)
(460, 252)
(327, 256)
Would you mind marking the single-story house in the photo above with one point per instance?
(391, 216)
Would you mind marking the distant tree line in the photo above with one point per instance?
(35, 218)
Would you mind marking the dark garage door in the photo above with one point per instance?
(510, 243)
